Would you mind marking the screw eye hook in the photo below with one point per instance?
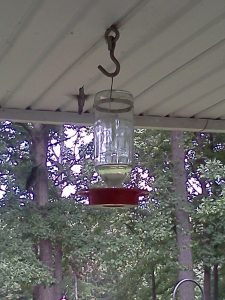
(111, 41)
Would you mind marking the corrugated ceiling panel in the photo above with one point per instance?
(161, 14)
(198, 69)
(13, 20)
(137, 39)
(33, 43)
(83, 35)
(200, 89)
(214, 111)
(172, 54)
(55, 59)
(195, 43)
(209, 97)
(190, 75)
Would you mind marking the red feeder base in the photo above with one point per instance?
(113, 197)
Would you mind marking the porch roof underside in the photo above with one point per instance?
(172, 56)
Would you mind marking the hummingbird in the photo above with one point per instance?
(81, 98)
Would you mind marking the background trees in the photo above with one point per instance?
(51, 242)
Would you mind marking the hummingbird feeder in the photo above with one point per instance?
(113, 140)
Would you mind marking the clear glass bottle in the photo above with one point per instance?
(113, 135)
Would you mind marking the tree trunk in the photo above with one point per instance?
(207, 270)
(35, 292)
(39, 152)
(46, 292)
(35, 288)
(75, 287)
(215, 282)
(183, 225)
(154, 296)
(58, 247)
(207, 283)
(58, 270)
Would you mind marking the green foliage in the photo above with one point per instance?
(113, 254)
(209, 217)
(19, 267)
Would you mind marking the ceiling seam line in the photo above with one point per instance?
(200, 98)
(210, 108)
(190, 85)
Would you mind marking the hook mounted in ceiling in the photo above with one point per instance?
(111, 40)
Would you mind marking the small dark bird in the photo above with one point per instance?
(31, 179)
(81, 97)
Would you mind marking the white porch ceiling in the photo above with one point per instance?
(172, 56)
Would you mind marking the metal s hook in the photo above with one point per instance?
(111, 41)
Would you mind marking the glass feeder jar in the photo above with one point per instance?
(113, 135)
